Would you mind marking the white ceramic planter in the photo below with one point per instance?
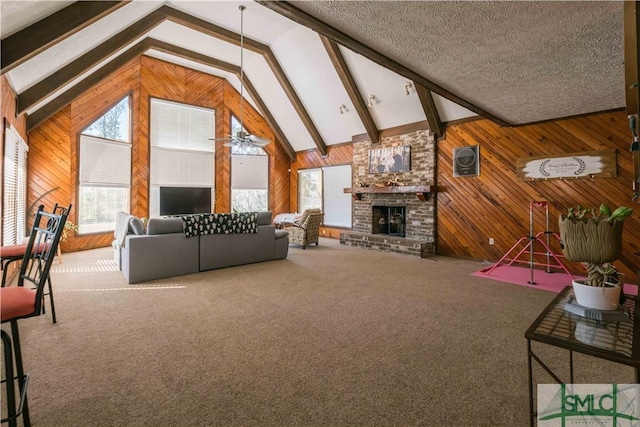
(595, 297)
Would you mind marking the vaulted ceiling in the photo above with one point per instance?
(323, 71)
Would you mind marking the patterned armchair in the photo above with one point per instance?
(306, 230)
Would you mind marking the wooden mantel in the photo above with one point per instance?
(421, 191)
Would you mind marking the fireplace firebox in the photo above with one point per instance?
(389, 220)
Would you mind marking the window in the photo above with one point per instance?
(249, 175)
(337, 203)
(324, 188)
(182, 149)
(105, 170)
(15, 187)
(309, 189)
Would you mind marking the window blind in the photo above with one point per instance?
(15, 188)
(249, 172)
(181, 168)
(104, 162)
(181, 126)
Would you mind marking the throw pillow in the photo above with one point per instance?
(136, 226)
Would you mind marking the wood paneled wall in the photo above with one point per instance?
(495, 205)
(8, 109)
(336, 155)
(53, 159)
(469, 210)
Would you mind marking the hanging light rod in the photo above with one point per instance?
(241, 137)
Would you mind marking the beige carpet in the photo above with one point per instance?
(331, 336)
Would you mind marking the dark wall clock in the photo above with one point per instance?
(466, 161)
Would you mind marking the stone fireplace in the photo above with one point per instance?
(371, 194)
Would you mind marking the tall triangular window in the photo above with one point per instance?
(105, 169)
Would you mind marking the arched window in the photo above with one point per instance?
(249, 175)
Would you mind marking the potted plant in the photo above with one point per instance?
(595, 239)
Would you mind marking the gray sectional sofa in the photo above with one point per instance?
(162, 250)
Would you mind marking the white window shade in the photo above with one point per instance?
(181, 126)
(249, 172)
(337, 203)
(104, 162)
(181, 168)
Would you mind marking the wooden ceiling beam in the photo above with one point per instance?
(351, 87)
(223, 34)
(139, 49)
(290, 11)
(28, 42)
(430, 110)
(69, 72)
(53, 83)
(69, 95)
(631, 57)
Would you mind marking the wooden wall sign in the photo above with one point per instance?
(597, 164)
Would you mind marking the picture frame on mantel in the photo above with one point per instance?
(390, 159)
(466, 161)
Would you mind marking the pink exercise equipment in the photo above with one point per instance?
(529, 249)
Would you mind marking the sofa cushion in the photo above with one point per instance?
(164, 226)
(264, 217)
(136, 225)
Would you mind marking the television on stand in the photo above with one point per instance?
(184, 200)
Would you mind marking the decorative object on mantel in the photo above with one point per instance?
(596, 241)
(596, 164)
(390, 159)
(421, 191)
(466, 161)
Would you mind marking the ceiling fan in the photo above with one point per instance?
(242, 138)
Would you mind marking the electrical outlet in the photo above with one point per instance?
(491, 241)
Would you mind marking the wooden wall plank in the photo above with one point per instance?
(470, 210)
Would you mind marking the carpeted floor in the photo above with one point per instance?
(331, 336)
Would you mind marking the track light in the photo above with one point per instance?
(371, 100)
(407, 88)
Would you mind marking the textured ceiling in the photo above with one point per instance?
(517, 61)
(521, 61)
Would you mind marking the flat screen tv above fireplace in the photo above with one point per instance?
(184, 200)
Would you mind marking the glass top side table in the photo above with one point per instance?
(615, 341)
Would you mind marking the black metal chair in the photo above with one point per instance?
(21, 302)
(13, 253)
